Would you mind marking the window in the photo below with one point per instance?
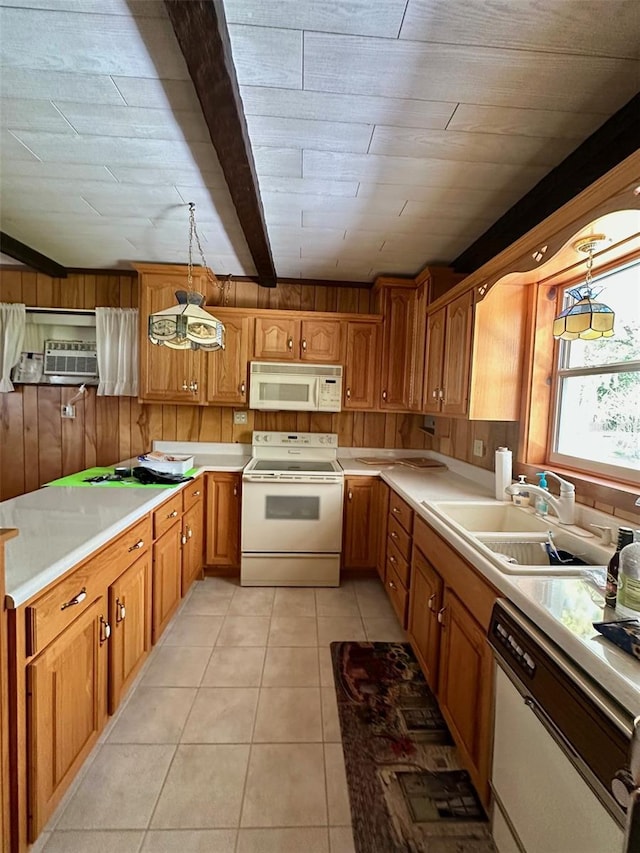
(596, 424)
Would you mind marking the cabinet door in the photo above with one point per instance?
(361, 366)
(321, 341)
(227, 368)
(424, 603)
(167, 375)
(223, 520)
(399, 308)
(130, 620)
(360, 539)
(166, 578)
(465, 688)
(457, 356)
(192, 552)
(277, 339)
(66, 710)
(434, 361)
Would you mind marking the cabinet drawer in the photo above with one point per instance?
(402, 512)
(400, 538)
(166, 515)
(192, 493)
(50, 614)
(398, 595)
(397, 563)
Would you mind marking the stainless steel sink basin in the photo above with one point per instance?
(513, 538)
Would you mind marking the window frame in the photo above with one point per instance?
(553, 458)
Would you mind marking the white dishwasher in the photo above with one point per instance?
(560, 776)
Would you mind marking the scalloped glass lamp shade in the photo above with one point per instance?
(186, 325)
(584, 319)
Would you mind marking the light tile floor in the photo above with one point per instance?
(229, 742)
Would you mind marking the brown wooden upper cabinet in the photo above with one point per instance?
(474, 354)
(289, 339)
(168, 375)
(361, 366)
(227, 369)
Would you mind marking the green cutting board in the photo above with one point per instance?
(79, 480)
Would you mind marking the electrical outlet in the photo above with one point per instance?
(67, 411)
(240, 418)
(478, 447)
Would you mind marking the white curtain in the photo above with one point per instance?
(117, 348)
(12, 324)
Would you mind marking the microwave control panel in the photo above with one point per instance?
(330, 394)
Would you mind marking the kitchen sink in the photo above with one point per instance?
(478, 516)
(513, 538)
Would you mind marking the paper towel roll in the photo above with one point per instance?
(503, 472)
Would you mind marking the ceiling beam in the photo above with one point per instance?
(613, 142)
(201, 29)
(26, 255)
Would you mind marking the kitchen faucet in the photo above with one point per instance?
(564, 506)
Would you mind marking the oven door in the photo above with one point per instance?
(292, 517)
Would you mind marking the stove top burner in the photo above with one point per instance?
(293, 465)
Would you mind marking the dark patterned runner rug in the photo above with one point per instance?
(407, 791)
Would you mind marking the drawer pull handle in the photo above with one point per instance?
(139, 544)
(243, 387)
(348, 393)
(105, 630)
(194, 386)
(189, 533)
(392, 559)
(384, 395)
(432, 598)
(394, 535)
(173, 514)
(290, 343)
(441, 617)
(183, 539)
(350, 495)
(195, 494)
(396, 509)
(392, 585)
(434, 393)
(185, 387)
(121, 611)
(235, 490)
(304, 345)
(77, 599)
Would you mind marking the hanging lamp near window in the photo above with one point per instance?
(585, 319)
(187, 325)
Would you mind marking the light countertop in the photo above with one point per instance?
(60, 527)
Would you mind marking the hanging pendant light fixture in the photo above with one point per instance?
(585, 319)
(187, 325)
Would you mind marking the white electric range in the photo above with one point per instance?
(292, 497)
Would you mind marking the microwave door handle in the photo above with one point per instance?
(316, 389)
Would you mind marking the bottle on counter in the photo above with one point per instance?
(625, 537)
(542, 507)
(629, 574)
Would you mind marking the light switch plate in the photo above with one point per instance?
(478, 447)
(240, 417)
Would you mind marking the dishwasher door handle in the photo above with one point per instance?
(553, 730)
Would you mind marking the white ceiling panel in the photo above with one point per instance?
(397, 170)
(525, 122)
(368, 17)
(481, 75)
(386, 134)
(278, 162)
(90, 44)
(30, 84)
(559, 26)
(32, 115)
(155, 93)
(125, 121)
(265, 57)
(307, 186)
(470, 147)
(301, 103)
(307, 133)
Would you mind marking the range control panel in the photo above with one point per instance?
(512, 646)
(295, 439)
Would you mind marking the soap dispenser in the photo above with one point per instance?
(542, 507)
(521, 497)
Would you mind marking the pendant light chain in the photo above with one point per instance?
(223, 287)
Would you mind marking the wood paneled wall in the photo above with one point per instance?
(38, 445)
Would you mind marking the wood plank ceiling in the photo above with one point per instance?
(386, 134)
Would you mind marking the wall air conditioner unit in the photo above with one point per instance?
(70, 358)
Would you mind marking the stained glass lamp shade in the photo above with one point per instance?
(586, 318)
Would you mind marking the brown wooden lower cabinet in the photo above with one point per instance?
(167, 577)
(5, 823)
(222, 523)
(66, 709)
(382, 511)
(193, 547)
(359, 535)
(130, 621)
(424, 605)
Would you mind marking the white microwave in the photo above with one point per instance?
(278, 386)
